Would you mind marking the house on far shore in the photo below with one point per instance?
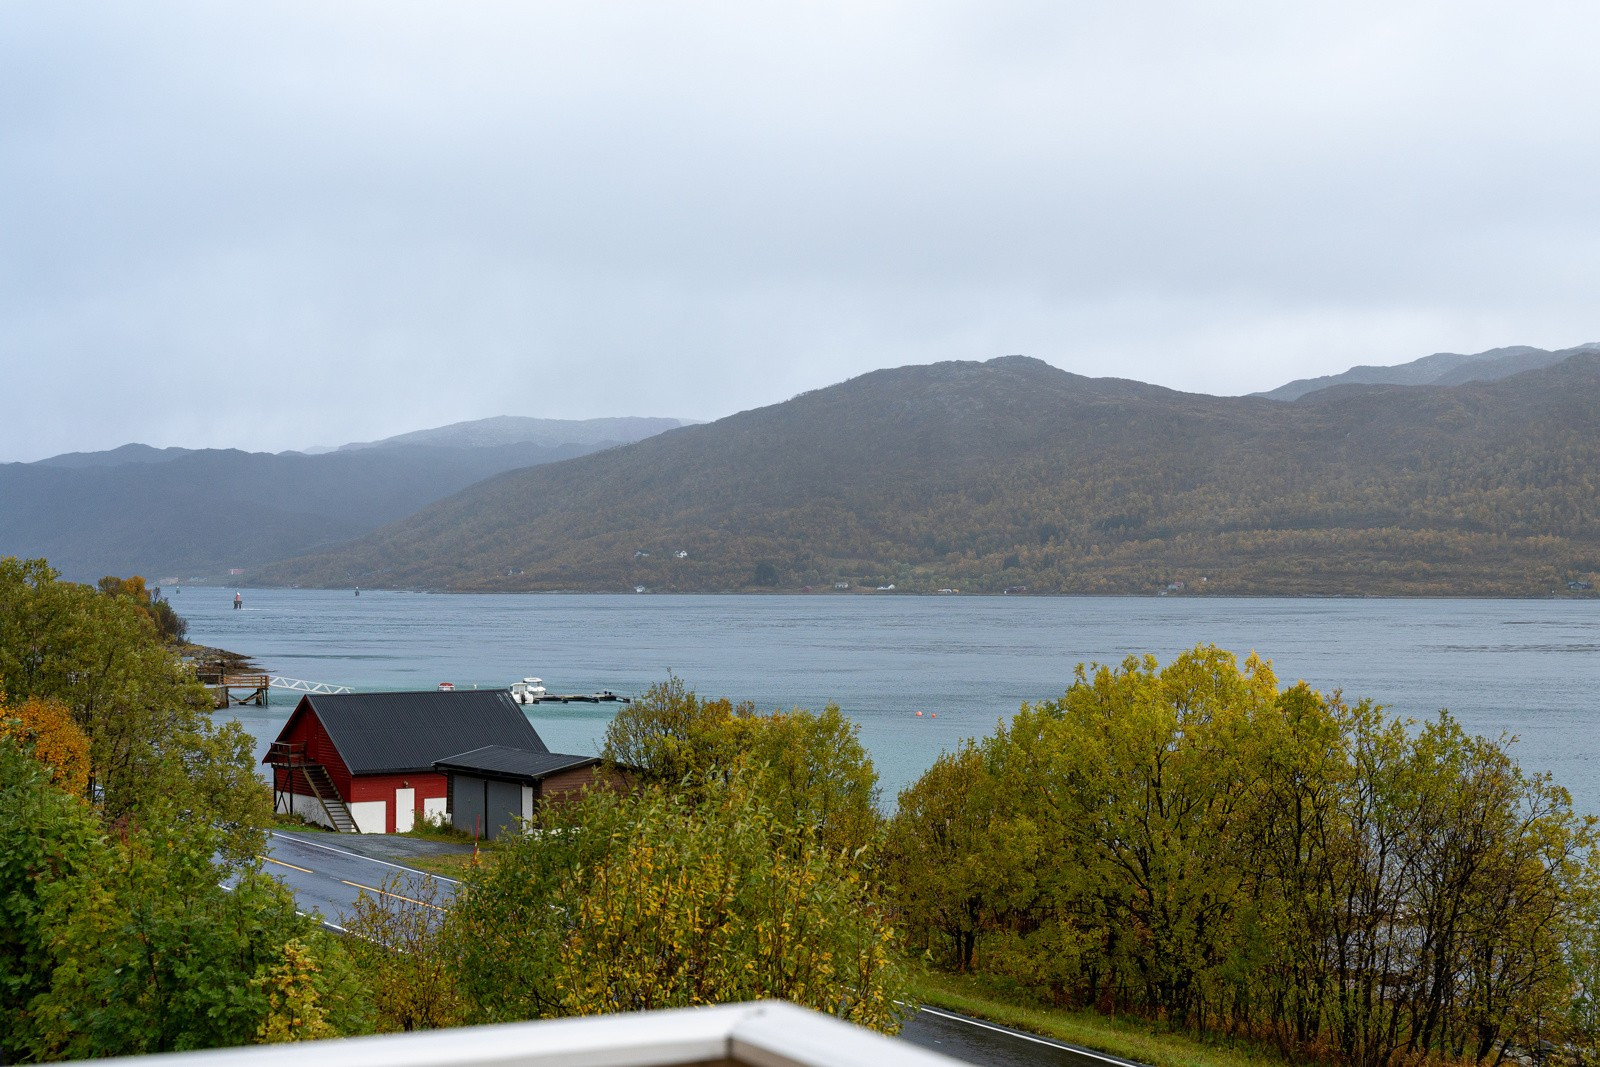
(365, 762)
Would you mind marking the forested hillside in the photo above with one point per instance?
(187, 512)
(1011, 473)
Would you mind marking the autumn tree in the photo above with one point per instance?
(814, 773)
(172, 627)
(1157, 774)
(148, 722)
(397, 939)
(656, 900)
(124, 808)
(45, 729)
(48, 837)
(940, 868)
(1196, 844)
(671, 734)
(812, 768)
(124, 943)
(296, 1011)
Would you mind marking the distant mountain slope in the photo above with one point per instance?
(115, 457)
(1013, 473)
(1441, 368)
(522, 429)
(181, 512)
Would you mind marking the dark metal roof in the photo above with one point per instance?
(378, 733)
(519, 763)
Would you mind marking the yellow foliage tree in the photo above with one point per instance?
(291, 989)
(396, 940)
(699, 907)
(662, 900)
(46, 729)
(1195, 844)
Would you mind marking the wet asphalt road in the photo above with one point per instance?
(989, 1045)
(326, 877)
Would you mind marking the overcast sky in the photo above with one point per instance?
(277, 225)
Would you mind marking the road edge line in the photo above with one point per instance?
(1101, 1056)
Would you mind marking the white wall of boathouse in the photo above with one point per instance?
(372, 816)
(309, 809)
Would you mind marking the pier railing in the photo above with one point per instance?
(300, 685)
(231, 689)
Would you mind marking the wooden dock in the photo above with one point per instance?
(230, 690)
(605, 696)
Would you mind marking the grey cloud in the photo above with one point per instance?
(287, 224)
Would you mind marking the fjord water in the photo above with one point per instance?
(1524, 667)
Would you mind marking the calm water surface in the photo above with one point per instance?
(1524, 667)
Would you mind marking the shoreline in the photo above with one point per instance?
(231, 662)
(1574, 595)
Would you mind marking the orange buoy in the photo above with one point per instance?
(919, 714)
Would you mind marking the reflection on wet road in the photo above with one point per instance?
(988, 1045)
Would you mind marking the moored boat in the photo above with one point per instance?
(528, 691)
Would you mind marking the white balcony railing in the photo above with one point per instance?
(766, 1033)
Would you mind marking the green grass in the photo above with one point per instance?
(1125, 1036)
(451, 865)
(454, 864)
(437, 831)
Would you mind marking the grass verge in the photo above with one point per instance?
(428, 830)
(449, 864)
(1127, 1037)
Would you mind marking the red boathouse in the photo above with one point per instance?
(364, 762)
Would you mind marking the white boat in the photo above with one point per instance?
(528, 691)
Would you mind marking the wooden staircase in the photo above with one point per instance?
(322, 787)
(288, 758)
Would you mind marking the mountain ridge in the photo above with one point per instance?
(1441, 368)
(987, 476)
(526, 429)
(201, 512)
(115, 457)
